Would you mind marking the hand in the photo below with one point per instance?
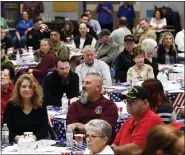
(104, 7)
(80, 126)
(17, 138)
(30, 71)
(182, 111)
(29, 29)
(34, 137)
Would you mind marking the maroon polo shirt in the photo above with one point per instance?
(101, 109)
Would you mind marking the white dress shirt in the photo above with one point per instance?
(158, 23)
(179, 40)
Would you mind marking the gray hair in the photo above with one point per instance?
(103, 126)
(147, 45)
(88, 48)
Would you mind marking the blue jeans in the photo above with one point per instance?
(21, 43)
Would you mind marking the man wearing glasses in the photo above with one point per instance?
(131, 137)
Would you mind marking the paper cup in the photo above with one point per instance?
(79, 139)
(27, 134)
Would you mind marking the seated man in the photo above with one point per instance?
(58, 82)
(125, 59)
(91, 64)
(143, 31)
(132, 135)
(7, 77)
(84, 38)
(38, 32)
(106, 49)
(179, 40)
(6, 40)
(92, 105)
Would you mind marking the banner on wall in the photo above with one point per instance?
(65, 6)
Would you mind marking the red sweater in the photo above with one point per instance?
(5, 96)
(101, 109)
(48, 62)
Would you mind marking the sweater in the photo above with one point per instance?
(54, 88)
(48, 62)
(18, 122)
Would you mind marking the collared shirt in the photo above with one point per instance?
(146, 72)
(103, 16)
(22, 26)
(96, 26)
(5, 96)
(98, 67)
(137, 134)
(82, 41)
(179, 40)
(127, 12)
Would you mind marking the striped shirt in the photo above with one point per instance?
(166, 113)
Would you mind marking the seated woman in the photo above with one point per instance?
(7, 87)
(158, 22)
(48, 61)
(159, 102)
(140, 70)
(149, 47)
(22, 29)
(164, 140)
(67, 31)
(25, 113)
(98, 135)
(167, 51)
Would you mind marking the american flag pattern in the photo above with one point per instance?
(178, 100)
(50, 117)
(116, 96)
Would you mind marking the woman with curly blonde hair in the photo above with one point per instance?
(25, 113)
(167, 51)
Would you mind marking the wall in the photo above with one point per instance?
(176, 6)
(48, 9)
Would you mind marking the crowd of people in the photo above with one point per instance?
(108, 56)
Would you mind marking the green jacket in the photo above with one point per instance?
(6, 61)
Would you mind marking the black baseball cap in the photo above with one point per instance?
(129, 38)
(137, 92)
(104, 32)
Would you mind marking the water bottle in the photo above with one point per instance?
(21, 143)
(134, 79)
(69, 136)
(64, 101)
(5, 135)
(18, 58)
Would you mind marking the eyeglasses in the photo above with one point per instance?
(92, 137)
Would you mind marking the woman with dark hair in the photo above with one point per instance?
(67, 31)
(25, 112)
(158, 22)
(159, 103)
(164, 140)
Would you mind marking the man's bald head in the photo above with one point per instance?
(123, 21)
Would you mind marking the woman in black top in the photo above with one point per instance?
(25, 113)
(149, 46)
(167, 51)
(67, 31)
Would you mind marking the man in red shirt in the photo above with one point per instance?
(92, 105)
(7, 75)
(131, 137)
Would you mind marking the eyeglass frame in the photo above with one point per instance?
(92, 137)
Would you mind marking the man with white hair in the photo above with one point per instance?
(91, 64)
(149, 46)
